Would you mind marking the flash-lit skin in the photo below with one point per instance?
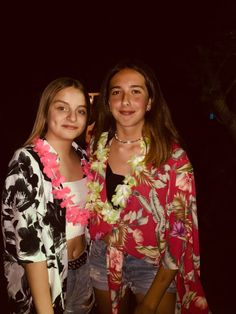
(128, 102)
(67, 115)
(66, 120)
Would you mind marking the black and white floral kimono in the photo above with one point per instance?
(33, 225)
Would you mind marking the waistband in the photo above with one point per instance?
(78, 262)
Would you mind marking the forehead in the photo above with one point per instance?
(70, 95)
(68, 92)
(127, 76)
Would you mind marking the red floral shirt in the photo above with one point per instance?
(158, 224)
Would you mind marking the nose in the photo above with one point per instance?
(72, 116)
(125, 99)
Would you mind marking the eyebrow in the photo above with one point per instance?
(59, 100)
(66, 103)
(132, 86)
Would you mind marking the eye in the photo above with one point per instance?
(136, 91)
(62, 108)
(115, 92)
(83, 112)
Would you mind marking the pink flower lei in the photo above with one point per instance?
(74, 213)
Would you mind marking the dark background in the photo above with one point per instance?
(40, 42)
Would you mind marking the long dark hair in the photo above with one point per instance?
(158, 126)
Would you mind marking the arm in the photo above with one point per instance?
(152, 299)
(24, 242)
(182, 235)
(37, 277)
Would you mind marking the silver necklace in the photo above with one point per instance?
(128, 141)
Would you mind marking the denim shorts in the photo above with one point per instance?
(79, 294)
(138, 274)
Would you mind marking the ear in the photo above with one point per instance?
(148, 108)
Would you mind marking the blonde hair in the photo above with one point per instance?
(40, 124)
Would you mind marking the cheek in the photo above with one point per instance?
(143, 104)
(114, 103)
(52, 118)
(82, 122)
(50, 123)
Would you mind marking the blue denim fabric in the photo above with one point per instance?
(138, 274)
(79, 294)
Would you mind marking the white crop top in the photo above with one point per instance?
(79, 190)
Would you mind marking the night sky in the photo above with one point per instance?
(40, 42)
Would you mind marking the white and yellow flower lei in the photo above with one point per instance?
(122, 191)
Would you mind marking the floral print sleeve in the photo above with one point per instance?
(21, 198)
(33, 225)
(182, 250)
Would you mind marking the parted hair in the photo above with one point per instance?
(158, 125)
(47, 96)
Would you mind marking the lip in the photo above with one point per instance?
(126, 113)
(69, 127)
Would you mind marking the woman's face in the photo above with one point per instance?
(128, 98)
(67, 115)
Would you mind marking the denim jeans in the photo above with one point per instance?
(138, 274)
(79, 294)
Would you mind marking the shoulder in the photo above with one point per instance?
(179, 157)
(178, 152)
(21, 153)
(24, 158)
(23, 170)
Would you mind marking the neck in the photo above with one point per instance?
(127, 141)
(63, 148)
